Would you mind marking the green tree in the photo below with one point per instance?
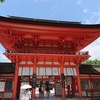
(2, 0)
(92, 62)
(88, 62)
(95, 62)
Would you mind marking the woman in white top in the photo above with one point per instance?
(26, 95)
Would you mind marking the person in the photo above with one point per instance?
(26, 95)
(43, 89)
(40, 92)
(47, 91)
(23, 97)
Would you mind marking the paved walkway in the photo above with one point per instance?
(52, 97)
(59, 98)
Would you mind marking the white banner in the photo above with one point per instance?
(2, 85)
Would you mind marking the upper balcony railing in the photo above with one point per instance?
(82, 53)
(50, 52)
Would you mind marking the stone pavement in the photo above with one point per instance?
(52, 97)
(59, 98)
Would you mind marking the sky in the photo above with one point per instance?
(84, 11)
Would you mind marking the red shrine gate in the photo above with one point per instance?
(46, 48)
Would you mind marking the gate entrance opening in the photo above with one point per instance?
(54, 82)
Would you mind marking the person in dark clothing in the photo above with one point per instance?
(40, 92)
(47, 91)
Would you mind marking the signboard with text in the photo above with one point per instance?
(34, 81)
(58, 89)
(63, 80)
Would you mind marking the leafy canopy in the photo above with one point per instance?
(92, 62)
(2, 1)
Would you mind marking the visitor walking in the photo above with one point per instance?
(40, 92)
(47, 91)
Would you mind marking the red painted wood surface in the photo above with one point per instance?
(48, 42)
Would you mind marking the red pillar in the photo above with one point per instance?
(73, 86)
(34, 72)
(78, 82)
(15, 83)
(63, 87)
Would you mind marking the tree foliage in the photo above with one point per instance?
(2, 1)
(92, 62)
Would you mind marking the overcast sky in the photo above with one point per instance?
(84, 11)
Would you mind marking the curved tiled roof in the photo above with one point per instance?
(89, 69)
(7, 68)
(47, 22)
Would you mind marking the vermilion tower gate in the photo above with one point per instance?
(46, 47)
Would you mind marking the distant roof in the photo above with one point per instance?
(89, 69)
(7, 68)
